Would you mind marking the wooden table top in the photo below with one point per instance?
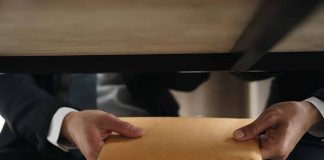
(123, 27)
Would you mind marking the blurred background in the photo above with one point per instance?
(223, 95)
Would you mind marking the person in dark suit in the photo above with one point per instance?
(30, 106)
(292, 127)
(29, 114)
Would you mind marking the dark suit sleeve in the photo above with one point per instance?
(319, 94)
(27, 109)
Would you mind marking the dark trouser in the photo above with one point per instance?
(308, 148)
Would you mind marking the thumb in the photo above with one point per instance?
(255, 128)
(125, 129)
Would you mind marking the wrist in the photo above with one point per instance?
(66, 132)
(312, 114)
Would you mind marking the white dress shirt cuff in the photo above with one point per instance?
(55, 128)
(317, 130)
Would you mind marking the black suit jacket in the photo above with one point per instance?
(27, 109)
(28, 103)
(297, 86)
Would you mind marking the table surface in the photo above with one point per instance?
(127, 27)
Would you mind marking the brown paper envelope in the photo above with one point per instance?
(182, 139)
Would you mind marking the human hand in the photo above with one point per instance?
(89, 129)
(280, 127)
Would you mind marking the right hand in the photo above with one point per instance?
(89, 129)
(280, 127)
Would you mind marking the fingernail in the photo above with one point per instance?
(138, 130)
(238, 134)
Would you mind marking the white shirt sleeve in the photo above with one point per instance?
(55, 128)
(317, 130)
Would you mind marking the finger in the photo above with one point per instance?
(252, 130)
(264, 145)
(124, 128)
(272, 149)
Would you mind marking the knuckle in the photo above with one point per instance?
(272, 116)
(276, 112)
(293, 103)
(271, 119)
(110, 115)
(279, 111)
(107, 117)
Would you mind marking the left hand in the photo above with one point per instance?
(89, 129)
(280, 127)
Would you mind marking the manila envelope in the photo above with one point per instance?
(182, 139)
